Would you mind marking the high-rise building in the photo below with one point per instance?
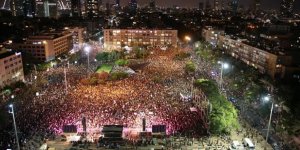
(16, 7)
(216, 5)
(152, 4)
(68, 5)
(286, 8)
(46, 8)
(78, 36)
(92, 8)
(256, 5)
(234, 6)
(133, 5)
(39, 6)
(75, 8)
(50, 9)
(29, 8)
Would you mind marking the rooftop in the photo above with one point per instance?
(260, 44)
(4, 53)
(50, 34)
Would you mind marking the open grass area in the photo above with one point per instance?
(104, 68)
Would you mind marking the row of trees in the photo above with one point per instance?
(136, 52)
(223, 117)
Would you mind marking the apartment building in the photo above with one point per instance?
(117, 38)
(272, 62)
(78, 35)
(45, 46)
(211, 35)
(11, 68)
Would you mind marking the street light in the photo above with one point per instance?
(15, 126)
(266, 99)
(223, 66)
(87, 49)
(66, 84)
(100, 41)
(187, 38)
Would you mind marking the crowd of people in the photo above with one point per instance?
(124, 102)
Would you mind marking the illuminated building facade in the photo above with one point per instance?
(29, 8)
(274, 63)
(118, 38)
(16, 7)
(78, 36)
(133, 5)
(46, 8)
(92, 8)
(211, 35)
(46, 46)
(11, 68)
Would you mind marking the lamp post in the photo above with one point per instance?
(267, 98)
(187, 38)
(87, 50)
(100, 41)
(15, 126)
(66, 84)
(223, 66)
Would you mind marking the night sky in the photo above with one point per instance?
(266, 4)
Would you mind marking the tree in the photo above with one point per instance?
(109, 56)
(223, 116)
(121, 62)
(103, 56)
(190, 67)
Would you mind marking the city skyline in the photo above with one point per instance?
(265, 4)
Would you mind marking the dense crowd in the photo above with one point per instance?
(124, 102)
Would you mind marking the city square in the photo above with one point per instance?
(149, 74)
(155, 92)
